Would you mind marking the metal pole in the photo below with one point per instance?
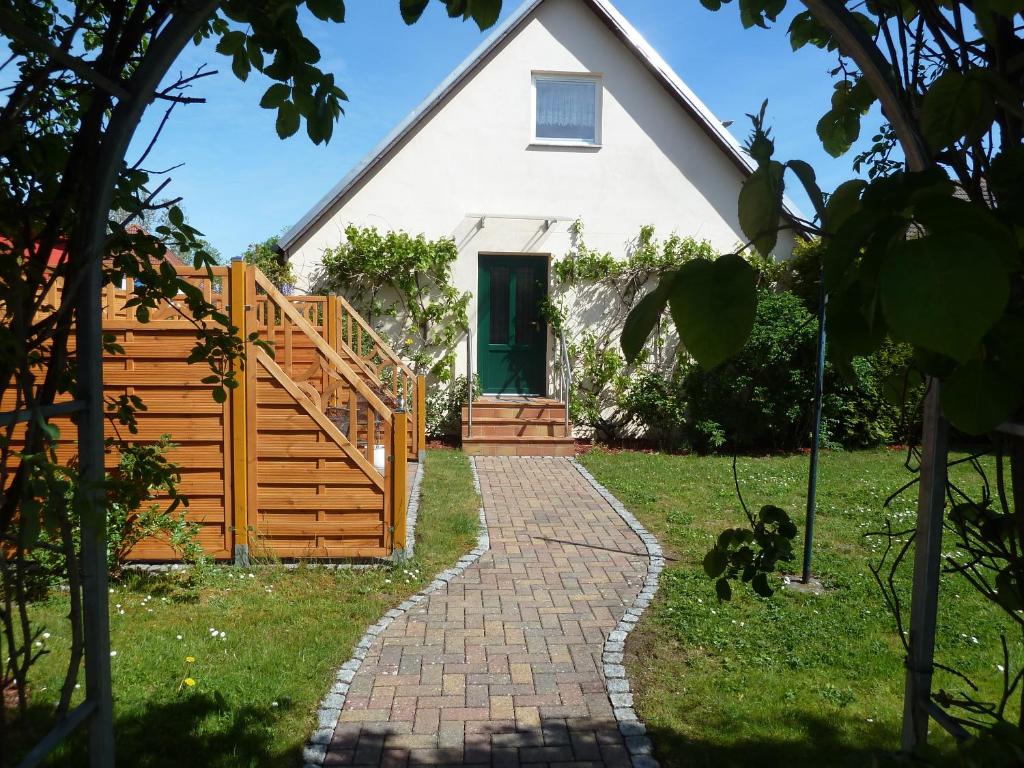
(469, 383)
(93, 515)
(927, 567)
(819, 395)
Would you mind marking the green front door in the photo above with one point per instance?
(512, 336)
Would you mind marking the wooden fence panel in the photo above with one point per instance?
(316, 495)
(311, 420)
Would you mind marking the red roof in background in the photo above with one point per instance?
(59, 254)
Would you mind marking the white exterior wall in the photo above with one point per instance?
(473, 156)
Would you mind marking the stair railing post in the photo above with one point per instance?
(421, 416)
(399, 503)
(239, 458)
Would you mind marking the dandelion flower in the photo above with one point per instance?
(190, 659)
(190, 682)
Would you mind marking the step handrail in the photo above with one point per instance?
(566, 375)
(358, 360)
(332, 356)
(375, 337)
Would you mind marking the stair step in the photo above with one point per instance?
(500, 428)
(491, 411)
(519, 446)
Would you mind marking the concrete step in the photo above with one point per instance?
(519, 446)
(491, 427)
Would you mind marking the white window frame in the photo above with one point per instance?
(575, 77)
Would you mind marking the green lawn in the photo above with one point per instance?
(257, 688)
(794, 680)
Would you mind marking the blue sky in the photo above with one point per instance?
(240, 183)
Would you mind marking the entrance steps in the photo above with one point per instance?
(517, 426)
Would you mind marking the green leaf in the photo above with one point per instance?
(977, 397)
(805, 173)
(287, 119)
(231, 42)
(944, 292)
(715, 562)
(327, 10)
(839, 128)
(275, 96)
(723, 590)
(713, 306)
(843, 203)
(760, 585)
(760, 206)
(1005, 344)
(957, 105)
(175, 216)
(219, 394)
(643, 317)
(485, 12)
(412, 10)
(240, 65)
(804, 29)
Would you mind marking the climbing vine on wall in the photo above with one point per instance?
(403, 285)
(598, 291)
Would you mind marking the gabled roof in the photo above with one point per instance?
(622, 29)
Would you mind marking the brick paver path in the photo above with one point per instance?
(503, 668)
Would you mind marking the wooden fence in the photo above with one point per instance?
(307, 456)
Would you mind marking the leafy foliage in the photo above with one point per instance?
(403, 284)
(751, 554)
(267, 257)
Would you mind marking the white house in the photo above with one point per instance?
(563, 113)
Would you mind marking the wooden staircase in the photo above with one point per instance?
(517, 426)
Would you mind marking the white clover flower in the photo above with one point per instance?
(113, 654)
(179, 637)
(223, 635)
(1000, 667)
(46, 635)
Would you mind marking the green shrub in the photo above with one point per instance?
(867, 411)
(444, 406)
(141, 473)
(655, 400)
(759, 400)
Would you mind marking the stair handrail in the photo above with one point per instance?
(332, 356)
(385, 349)
(565, 375)
(469, 383)
(356, 359)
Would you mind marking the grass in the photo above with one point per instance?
(257, 688)
(794, 680)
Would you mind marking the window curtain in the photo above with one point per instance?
(566, 109)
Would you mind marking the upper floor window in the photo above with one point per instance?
(567, 110)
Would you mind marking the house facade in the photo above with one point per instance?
(565, 113)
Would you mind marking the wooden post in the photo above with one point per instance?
(399, 502)
(931, 500)
(421, 417)
(239, 432)
(331, 329)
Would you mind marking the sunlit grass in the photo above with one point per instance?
(264, 640)
(795, 680)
